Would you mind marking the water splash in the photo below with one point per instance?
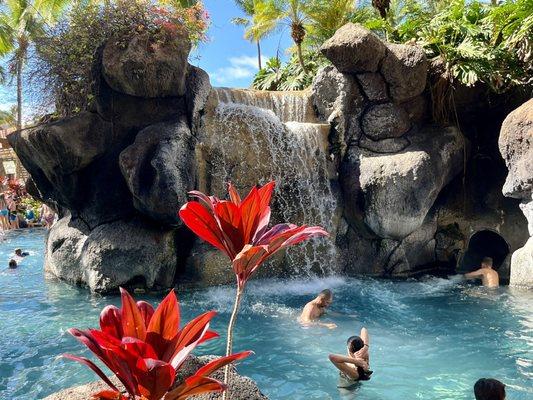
(248, 144)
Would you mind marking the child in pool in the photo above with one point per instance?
(356, 365)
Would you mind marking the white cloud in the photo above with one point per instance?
(240, 68)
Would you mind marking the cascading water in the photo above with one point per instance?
(296, 106)
(249, 144)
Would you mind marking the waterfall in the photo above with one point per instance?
(249, 144)
(287, 106)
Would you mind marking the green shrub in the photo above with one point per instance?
(65, 55)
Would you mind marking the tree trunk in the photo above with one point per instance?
(300, 57)
(229, 343)
(19, 93)
(259, 54)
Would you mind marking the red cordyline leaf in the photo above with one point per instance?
(239, 227)
(144, 347)
(200, 382)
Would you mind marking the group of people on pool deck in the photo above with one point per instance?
(355, 365)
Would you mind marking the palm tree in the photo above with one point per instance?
(272, 14)
(326, 16)
(21, 22)
(247, 7)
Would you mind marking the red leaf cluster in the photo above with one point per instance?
(144, 348)
(239, 228)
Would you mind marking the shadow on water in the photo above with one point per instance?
(430, 339)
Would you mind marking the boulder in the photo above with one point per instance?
(384, 121)
(527, 209)
(159, 168)
(374, 86)
(405, 70)
(399, 189)
(146, 67)
(522, 266)
(416, 108)
(198, 89)
(338, 100)
(121, 253)
(516, 146)
(240, 387)
(391, 145)
(354, 49)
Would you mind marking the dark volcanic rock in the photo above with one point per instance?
(146, 67)
(121, 253)
(159, 168)
(353, 49)
(374, 86)
(385, 121)
(405, 70)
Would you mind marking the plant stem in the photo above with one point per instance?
(229, 343)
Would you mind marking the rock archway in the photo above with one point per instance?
(484, 243)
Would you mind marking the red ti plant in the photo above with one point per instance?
(144, 348)
(239, 228)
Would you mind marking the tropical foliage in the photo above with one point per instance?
(65, 54)
(21, 23)
(475, 42)
(145, 348)
(239, 228)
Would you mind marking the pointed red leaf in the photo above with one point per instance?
(93, 366)
(132, 320)
(111, 322)
(214, 365)
(195, 385)
(155, 377)
(137, 348)
(146, 310)
(166, 319)
(247, 261)
(234, 195)
(164, 325)
(199, 220)
(209, 335)
(108, 395)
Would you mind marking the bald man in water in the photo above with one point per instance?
(316, 308)
(489, 277)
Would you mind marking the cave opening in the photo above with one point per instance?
(485, 243)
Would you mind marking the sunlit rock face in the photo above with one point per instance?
(516, 147)
(354, 153)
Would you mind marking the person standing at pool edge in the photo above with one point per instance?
(356, 365)
(316, 308)
(489, 277)
(489, 389)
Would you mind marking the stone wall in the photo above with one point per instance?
(356, 153)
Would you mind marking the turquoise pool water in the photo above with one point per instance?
(430, 339)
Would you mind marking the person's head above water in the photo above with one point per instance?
(12, 264)
(486, 262)
(355, 343)
(489, 389)
(18, 252)
(325, 297)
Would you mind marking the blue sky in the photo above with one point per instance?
(229, 59)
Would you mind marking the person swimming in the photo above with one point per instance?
(317, 308)
(12, 264)
(489, 389)
(489, 277)
(356, 365)
(20, 253)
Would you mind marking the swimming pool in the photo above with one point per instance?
(430, 339)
